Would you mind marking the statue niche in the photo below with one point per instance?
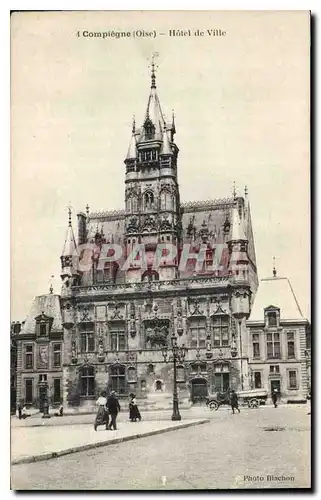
(156, 336)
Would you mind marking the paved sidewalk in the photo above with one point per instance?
(196, 411)
(34, 444)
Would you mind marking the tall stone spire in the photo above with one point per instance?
(154, 119)
(68, 258)
(70, 242)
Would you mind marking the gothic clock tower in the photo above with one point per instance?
(152, 219)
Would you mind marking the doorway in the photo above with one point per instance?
(158, 385)
(276, 384)
(42, 396)
(199, 391)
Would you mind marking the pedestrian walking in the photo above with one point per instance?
(113, 408)
(60, 411)
(134, 413)
(102, 417)
(275, 398)
(234, 402)
(19, 412)
(24, 413)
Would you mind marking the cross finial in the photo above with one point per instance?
(87, 209)
(234, 190)
(134, 125)
(245, 191)
(274, 268)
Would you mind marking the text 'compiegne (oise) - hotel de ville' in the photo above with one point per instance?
(133, 278)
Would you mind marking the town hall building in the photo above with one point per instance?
(108, 328)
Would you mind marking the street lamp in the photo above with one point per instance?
(177, 355)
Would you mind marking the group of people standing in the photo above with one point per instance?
(109, 407)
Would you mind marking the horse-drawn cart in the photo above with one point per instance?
(252, 398)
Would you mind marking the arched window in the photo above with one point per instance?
(163, 200)
(118, 379)
(166, 200)
(87, 381)
(134, 206)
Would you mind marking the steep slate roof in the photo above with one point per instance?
(50, 305)
(276, 292)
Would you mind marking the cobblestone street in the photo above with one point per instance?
(232, 451)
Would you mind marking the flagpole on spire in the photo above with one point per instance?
(69, 215)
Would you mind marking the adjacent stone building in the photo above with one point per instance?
(39, 354)
(280, 341)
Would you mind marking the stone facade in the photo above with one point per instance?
(39, 354)
(280, 338)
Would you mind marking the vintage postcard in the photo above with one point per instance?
(160, 322)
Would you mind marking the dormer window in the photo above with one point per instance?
(272, 317)
(43, 325)
(42, 329)
(149, 129)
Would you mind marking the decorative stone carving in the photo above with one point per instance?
(233, 347)
(132, 321)
(73, 352)
(132, 226)
(190, 231)
(165, 225)
(101, 354)
(155, 309)
(116, 314)
(157, 337)
(149, 305)
(84, 310)
(204, 232)
(195, 304)
(132, 357)
(179, 318)
(149, 224)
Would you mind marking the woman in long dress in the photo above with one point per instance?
(134, 413)
(102, 417)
